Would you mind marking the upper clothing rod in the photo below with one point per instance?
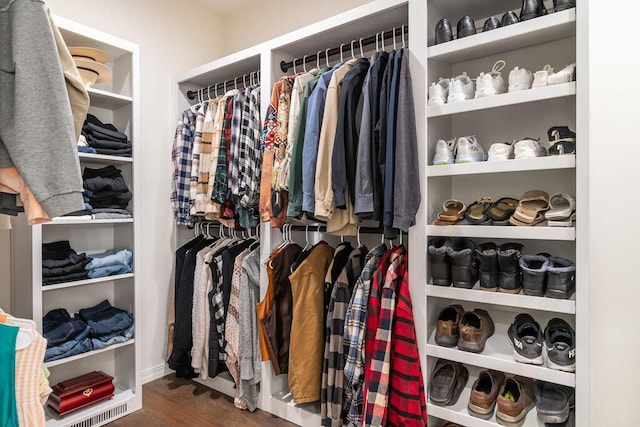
(355, 44)
(206, 91)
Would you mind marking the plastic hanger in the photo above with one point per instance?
(341, 58)
(306, 237)
(358, 237)
(403, 41)
(294, 66)
(326, 57)
(24, 338)
(318, 60)
(394, 38)
(304, 64)
(361, 51)
(382, 43)
(352, 55)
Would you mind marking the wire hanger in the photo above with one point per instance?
(403, 41)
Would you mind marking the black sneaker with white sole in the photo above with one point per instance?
(553, 402)
(525, 335)
(560, 345)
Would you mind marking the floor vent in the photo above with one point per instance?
(103, 417)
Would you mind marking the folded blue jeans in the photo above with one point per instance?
(110, 257)
(101, 342)
(105, 319)
(109, 270)
(72, 348)
(58, 327)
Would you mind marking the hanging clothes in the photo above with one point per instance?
(8, 404)
(306, 349)
(28, 378)
(181, 158)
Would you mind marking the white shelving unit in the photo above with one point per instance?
(529, 113)
(112, 102)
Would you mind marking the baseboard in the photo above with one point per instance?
(154, 373)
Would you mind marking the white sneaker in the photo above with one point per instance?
(438, 92)
(501, 151)
(491, 83)
(468, 150)
(461, 88)
(445, 152)
(529, 148)
(520, 79)
(541, 78)
(563, 76)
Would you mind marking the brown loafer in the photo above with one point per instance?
(484, 393)
(447, 330)
(515, 399)
(475, 329)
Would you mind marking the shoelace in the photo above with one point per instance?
(498, 67)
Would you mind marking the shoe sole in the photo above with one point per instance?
(452, 99)
(552, 293)
(447, 341)
(565, 7)
(533, 293)
(563, 368)
(521, 359)
(480, 412)
(553, 417)
(519, 417)
(469, 160)
(510, 291)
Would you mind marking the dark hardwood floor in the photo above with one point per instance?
(172, 401)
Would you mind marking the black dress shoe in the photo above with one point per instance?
(491, 24)
(532, 9)
(466, 27)
(443, 31)
(559, 5)
(509, 18)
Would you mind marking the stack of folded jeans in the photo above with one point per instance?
(109, 263)
(105, 138)
(60, 263)
(92, 328)
(105, 188)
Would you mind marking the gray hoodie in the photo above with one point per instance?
(37, 133)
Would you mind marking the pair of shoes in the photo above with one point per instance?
(554, 403)
(451, 90)
(447, 382)
(530, 211)
(547, 77)
(499, 267)
(465, 149)
(562, 210)
(547, 275)
(532, 9)
(525, 148)
(444, 33)
(515, 400)
(453, 261)
(469, 330)
(492, 22)
(526, 337)
(562, 140)
(513, 396)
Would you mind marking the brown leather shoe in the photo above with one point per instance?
(515, 399)
(475, 329)
(484, 393)
(447, 330)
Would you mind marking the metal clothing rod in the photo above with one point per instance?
(206, 93)
(323, 229)
(347, 47)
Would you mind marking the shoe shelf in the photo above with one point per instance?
(105, 99)
(522, 301)
(104, 159)
(64, 220)
(105, 412)
(538, 232)
(503, 100)
(89, 354)
(459, 413)
(544, 29)
(498, 355)
(567, 161)
(73, 284)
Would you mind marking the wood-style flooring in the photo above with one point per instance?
(171, 401)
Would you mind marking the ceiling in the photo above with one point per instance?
(225, 7)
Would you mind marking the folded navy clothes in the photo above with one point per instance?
(59, 327)
(109, 270)
(107, 143)
(67, 269)
(105, 319)
(57, 250)
(93, 125)
(107, 178)
(72, 259)
(96, 121)
(66, 278)
(121, 153)
(110, 257)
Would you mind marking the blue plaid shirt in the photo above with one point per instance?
(354, 338)
(181, 157)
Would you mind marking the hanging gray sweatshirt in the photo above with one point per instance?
(37, 133)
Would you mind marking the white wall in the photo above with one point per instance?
(264, 20)
(173, 37)
(614, 227)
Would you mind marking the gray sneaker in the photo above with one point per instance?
(553, 402)
(560, 339)
(525, 336)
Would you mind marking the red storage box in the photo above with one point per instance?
(76, 393)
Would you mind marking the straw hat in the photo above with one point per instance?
(91, 65)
